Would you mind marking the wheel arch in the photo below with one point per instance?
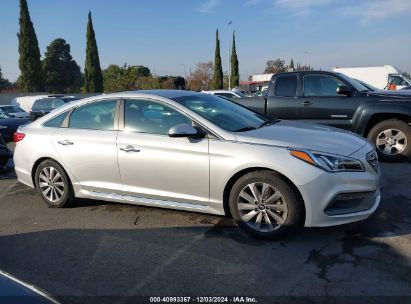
(229, 185)
(379, 117)
(39, 161)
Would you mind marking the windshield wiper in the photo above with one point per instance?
(268, 123)
(245, 129)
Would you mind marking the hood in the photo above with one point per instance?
(306, 136)
(394, 94)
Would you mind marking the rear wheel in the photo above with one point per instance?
(53, 184)
(264, 205)
(392, 138)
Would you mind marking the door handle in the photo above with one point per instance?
(129, 149)
(306, 103)
(65, 142)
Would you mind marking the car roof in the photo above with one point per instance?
(219, 91)
(305, 72)
(163, 93)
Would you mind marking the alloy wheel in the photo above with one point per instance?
(51, 184)
(262, 207)
(391, 142)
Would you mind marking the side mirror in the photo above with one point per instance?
(344, 90)
(186, 130)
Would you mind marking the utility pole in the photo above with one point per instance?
(229, 56)
(185, 75)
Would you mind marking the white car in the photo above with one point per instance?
(14, 111)
(226, 93)
(197, 152)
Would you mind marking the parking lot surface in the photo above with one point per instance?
(98, 248)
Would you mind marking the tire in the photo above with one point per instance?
(62, 194)
(279, 204)
(392, 139)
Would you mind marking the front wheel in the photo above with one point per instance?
(53, 184)
(264, 205)
(392, 138)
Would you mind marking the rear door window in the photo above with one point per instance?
(98, 115)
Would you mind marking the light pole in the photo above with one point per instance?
(185, 75)
(229, 49)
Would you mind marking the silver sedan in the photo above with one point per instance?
(197, 152)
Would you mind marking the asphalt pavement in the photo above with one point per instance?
(100, 252)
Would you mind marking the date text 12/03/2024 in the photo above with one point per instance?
(239, 299)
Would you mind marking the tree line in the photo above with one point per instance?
(58, 71)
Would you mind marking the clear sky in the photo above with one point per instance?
(165, 34)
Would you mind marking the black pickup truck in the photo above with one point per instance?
(337, 100)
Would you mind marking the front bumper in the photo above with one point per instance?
(340, 198)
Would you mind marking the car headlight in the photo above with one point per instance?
(328, 162)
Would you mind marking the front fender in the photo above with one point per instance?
(365, 112)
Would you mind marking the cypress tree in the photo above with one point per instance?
(61, 72)
(217, 82)
(235, 73)
(93, 82)
(292, 64)
(29, 61)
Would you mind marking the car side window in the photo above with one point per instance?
(286, 86)
(321, 85)
(397, 80)
(56, 122)
(98, 115)
(146, 116)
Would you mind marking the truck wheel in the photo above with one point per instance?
(392, 138)
(264, 205)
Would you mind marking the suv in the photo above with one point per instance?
(44, 106)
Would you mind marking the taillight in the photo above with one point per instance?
(18, 136)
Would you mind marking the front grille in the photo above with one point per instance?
(372, 159)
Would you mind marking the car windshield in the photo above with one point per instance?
(223, 113)
(3, 115)
(368, 86)
(358, 86)
(11, 109)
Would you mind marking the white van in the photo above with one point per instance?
(384, 77)
(26, 102)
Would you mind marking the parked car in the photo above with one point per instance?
(11, 124)
(14, 111)
(44, 106)
(26, 102)
(13, 290)
(337, 100)
(198, 152)
(67, 99)
(226, 93)
(5, 153)
(382, 77)
(399, 93)
(259, 93)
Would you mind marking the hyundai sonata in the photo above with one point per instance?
(197, 152)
